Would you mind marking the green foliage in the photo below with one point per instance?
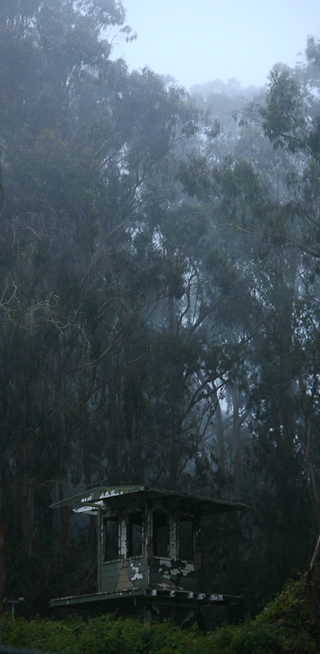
(110, 636)
(297, 611)
(283, 117)
(246, 638)
(290, 623)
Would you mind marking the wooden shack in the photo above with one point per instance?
(149, 549)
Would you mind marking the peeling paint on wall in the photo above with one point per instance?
(86, 499)
(137, 575)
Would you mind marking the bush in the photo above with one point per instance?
(106, 635)
(291, 623)
(248, 638)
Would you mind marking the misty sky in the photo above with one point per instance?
(196, 41)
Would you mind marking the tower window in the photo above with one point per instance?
(186, 547)
(135, 534)
(161, 534)
(111, 538)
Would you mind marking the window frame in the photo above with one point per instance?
(156, 554)
(187, 518)
(129, 525)
(110, 519)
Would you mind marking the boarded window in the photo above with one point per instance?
(186, 538)
(135, 534)
(111, 538)
(161, 534)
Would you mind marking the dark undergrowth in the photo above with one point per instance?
(289, 624)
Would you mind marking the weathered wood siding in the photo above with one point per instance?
(148, 570)
(127, 574)
(173, 574)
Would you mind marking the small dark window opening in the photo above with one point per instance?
(161, 534)
(135, 534)
(186, 539)
(111, 538)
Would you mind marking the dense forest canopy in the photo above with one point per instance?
(159, 298)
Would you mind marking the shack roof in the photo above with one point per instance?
(116, 496)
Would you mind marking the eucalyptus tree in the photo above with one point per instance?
(82, 142)
(269, 198)
(50, 190)
(290, 120)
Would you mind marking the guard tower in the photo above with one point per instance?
(149, 551)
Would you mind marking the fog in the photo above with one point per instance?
(159, 283)
(199, 41)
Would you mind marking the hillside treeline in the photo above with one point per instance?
(159, 299)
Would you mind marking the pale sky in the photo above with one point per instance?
(197, 41)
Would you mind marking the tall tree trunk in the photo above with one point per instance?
(237, 420)
(306, 402)
(171, 315)
(64, 510)
(24, 493)
(2, 571)
(219, 433)
(174, 449)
